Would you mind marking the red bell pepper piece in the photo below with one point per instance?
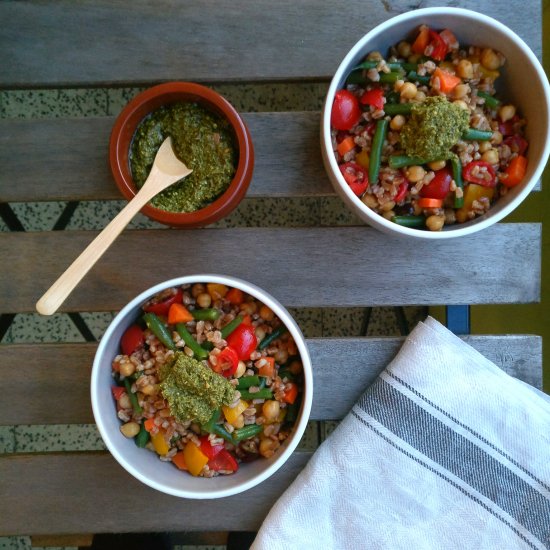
(227, 362)
(374, 97)
(162, 307)
(223, 461)
(117, 391)
(437, 46)
(208, 449)
(243, 340)
(517, 144)
(356, 177)
(472, 172)
(132, 339)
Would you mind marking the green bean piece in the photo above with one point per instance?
(198, 351)
(264, 393)
(246, 381)
(158, 328)
(473, 134)
(209, 426)
(400, 161)
(207, 314)
(456, 167)
(490, 100)
(415, 222)
(392, 65)
(391, 77)
(263, 382)
(277, 333)
(231, 326)
(413, 76)
(247, 432)
(133, 397)
(142, 437)
(208, 346)
(398, 108)
(376, 150)
(218, 429)
(392, 98)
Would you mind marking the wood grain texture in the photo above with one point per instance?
(49, 383)
(74, 493)
(499, 265)
(102, 42)
(287, 158)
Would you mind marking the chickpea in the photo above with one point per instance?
(506, 112)
(370, 200)
(196, 289)
(415, 173)
(461, 103)
(491, 156)
(404, 49)
(408, 90)
(435, 222)
(461, 91)
(484, 146)
(436, 164)
(387, 206)
(130, 429)
(489, 59)
(268, 447)
(497, 138)
(127, 369)
(150, 389)
(397, 122)
(124, 401)
(281, 356)
(241, 368)
(389, 214)
(249, 308)
(260, 332)
(398, 85)
(266, 314)
(204, 299)
(271, 409)
(465, 69)
(295, 367)
(374, 56)
(420, 96)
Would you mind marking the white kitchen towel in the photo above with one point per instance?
(443, 451)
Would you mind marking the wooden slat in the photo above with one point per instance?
(101, 42)
(305, 267)
(72, 493)
(32, 374)
(288, 158)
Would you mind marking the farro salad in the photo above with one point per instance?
(208, 377)
(421, 136)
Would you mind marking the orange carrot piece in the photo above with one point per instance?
(178, 313)
(345, 146)
(149, 424)
(179, 460)
(268, 369)
(419, 45)
(447, 81)
(235, 296)
(291, 393)
(426, 202)
(515, 171)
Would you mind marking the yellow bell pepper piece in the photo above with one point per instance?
(486, 73)
(472, 192)
(362, 159)
(195, 459)
(231, 414)
(159, 443)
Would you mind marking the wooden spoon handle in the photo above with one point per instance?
(58, 292)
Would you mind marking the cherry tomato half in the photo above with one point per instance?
(439, 186)
(356, 177)
(243, 341)
(480, 172)
(437, 46)
(517, 144)
(227, 362)
(162, 306)
(345, 112)
(132, 339)
(223, 461)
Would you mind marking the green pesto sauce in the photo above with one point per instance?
(193, 390)
(201, 139)
(434, 127)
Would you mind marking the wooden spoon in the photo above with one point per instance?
(167, 169)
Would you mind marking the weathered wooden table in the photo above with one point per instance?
(241, 44)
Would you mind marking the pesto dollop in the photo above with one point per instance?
(434, 127)
(201, 139)
(193, 390)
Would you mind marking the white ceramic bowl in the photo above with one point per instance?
(145, 465)
(522, 82)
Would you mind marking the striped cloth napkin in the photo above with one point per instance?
(443, 451)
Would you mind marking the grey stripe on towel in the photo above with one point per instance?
(458, 455)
